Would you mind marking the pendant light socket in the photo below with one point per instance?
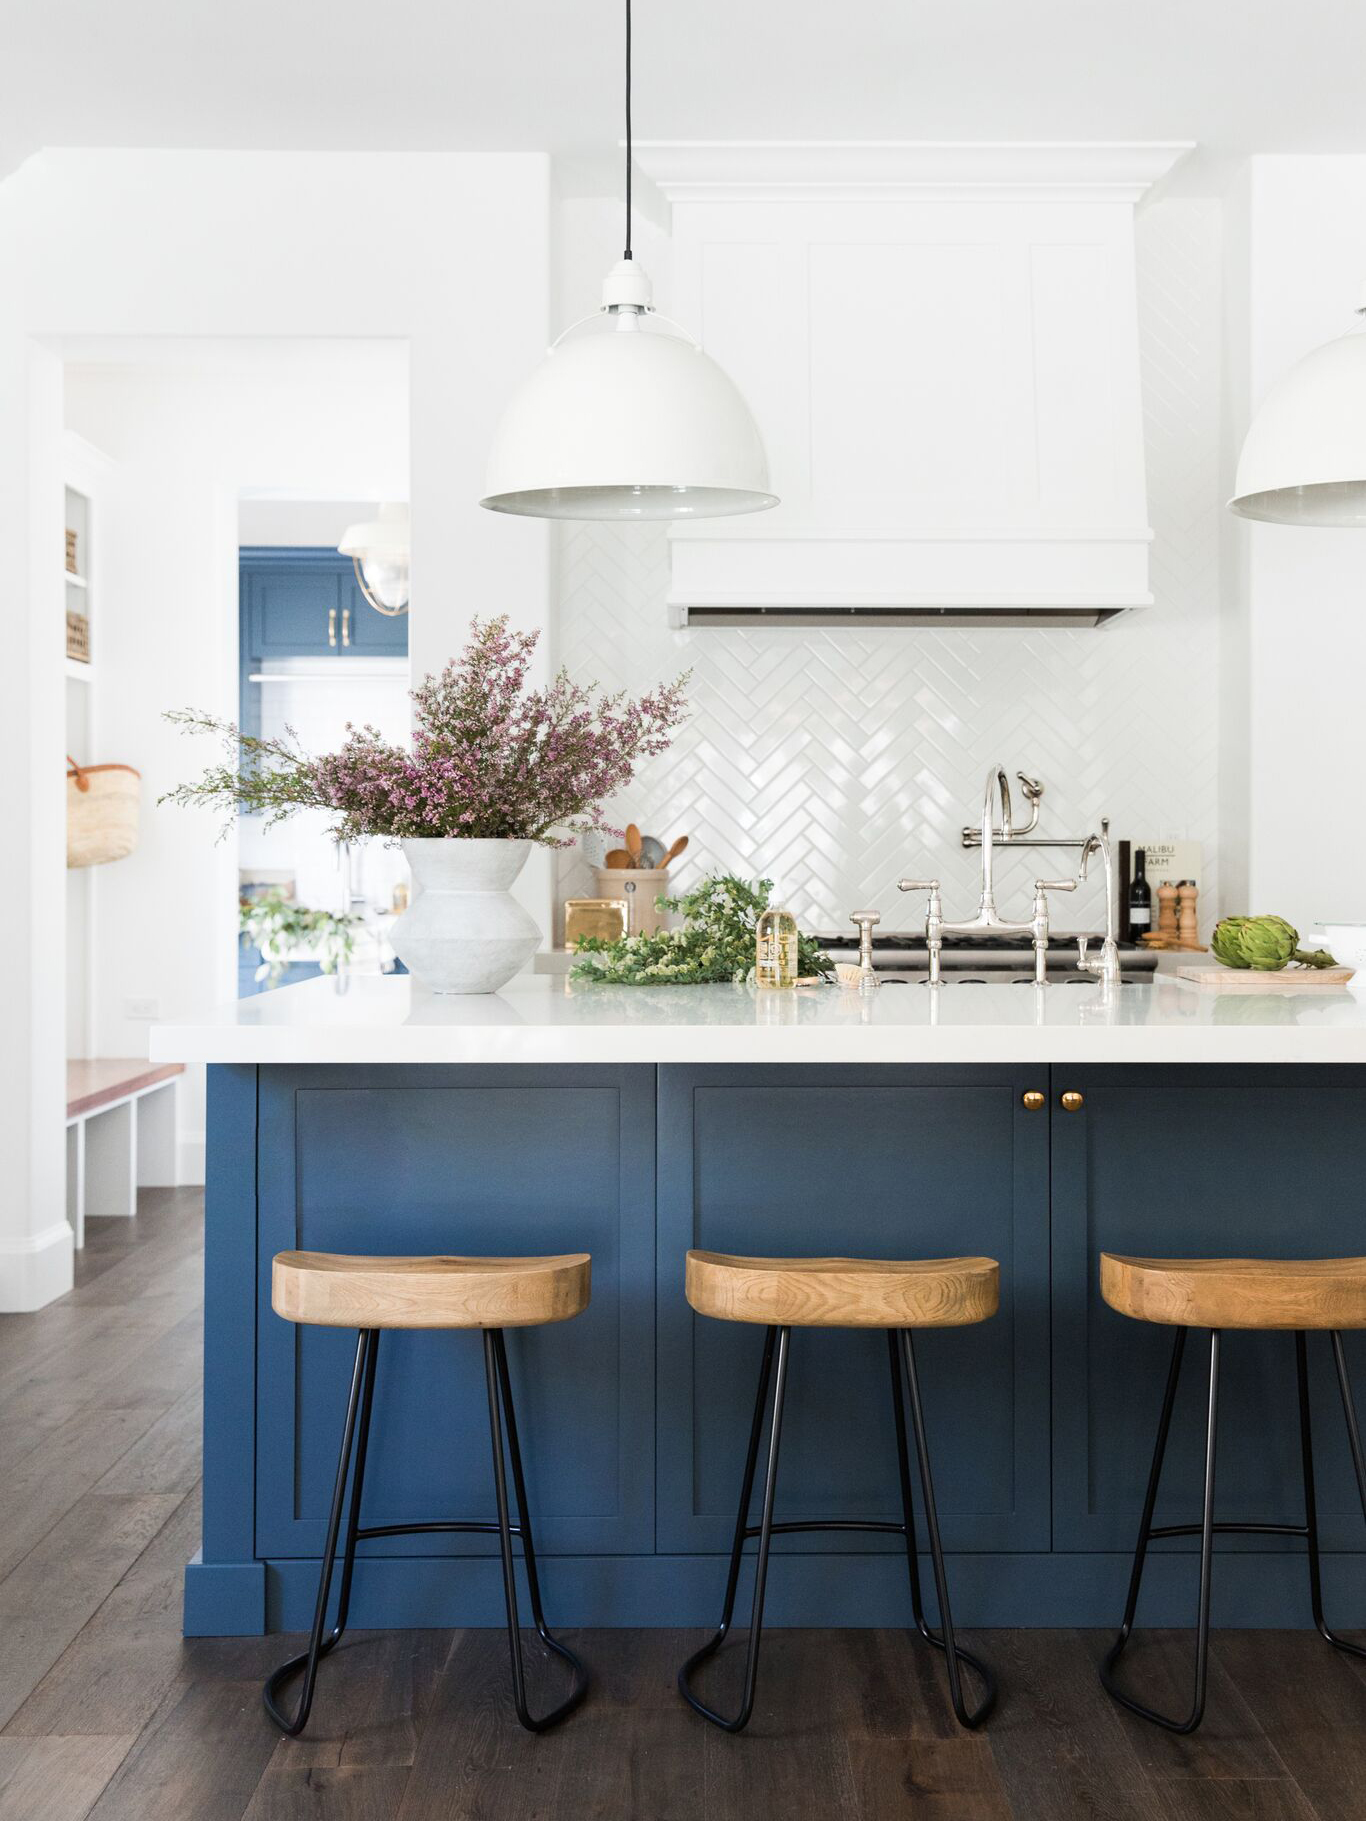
(627, 286)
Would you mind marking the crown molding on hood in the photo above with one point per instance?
(902, 170)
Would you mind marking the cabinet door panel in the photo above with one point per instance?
(464, 1160)
(883, 1162)
(288, 610)
(1198, 1162)
(373, 634)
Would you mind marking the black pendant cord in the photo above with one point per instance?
(627, 253)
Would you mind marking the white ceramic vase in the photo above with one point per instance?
(464, 932)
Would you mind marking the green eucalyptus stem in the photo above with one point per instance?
(714, 946)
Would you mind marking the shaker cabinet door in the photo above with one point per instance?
(1173, 1162)
(885, 1162)
(372, 634)
(501, 1161)
(293, 610)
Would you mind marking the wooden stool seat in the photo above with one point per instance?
(844, 1292)
(338, 1290)
(1292, 1293)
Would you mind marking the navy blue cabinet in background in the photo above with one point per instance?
(301, 602)
(304, 602)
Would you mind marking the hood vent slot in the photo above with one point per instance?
(863, 617)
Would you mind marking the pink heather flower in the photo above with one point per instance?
(489, 758)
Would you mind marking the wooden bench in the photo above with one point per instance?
(120, 1134)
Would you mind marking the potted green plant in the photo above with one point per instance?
(275, 925)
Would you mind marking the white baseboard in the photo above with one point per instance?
(37, 1270)
(189, 1169)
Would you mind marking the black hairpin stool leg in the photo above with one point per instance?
(500, 1410)
(900, 1347)
(1307, 1454)
(355, 1431)
(778, 1337)
(1146, 1532)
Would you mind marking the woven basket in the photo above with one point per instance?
(101, 813)
(77, 636)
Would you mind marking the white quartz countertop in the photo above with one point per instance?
(377, 1019)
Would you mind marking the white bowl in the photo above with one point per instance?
(1346, 942)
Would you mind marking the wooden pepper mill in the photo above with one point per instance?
(1188, 926)
(1166, 911)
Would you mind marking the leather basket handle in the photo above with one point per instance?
(82, 782)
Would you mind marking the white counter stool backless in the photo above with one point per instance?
(1289, 1295)
(371, 1294)
(780, 1294)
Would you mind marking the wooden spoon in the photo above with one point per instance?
(619, 860)
(674, 852)
(633, 843)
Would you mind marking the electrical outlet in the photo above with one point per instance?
(141, 1008)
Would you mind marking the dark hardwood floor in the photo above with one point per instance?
(105, 1711)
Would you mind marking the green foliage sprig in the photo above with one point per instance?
(715, 944)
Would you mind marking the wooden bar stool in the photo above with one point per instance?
(371, 1294)
(780, 1294)
(1293, 1295)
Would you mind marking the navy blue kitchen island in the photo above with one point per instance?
(635, 1415)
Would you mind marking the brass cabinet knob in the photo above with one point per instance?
(1034, 1100)
(1073, 1103)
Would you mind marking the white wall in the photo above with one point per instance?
(35, 1239)
(187, 429)
(1305, 588)
(1235, 649)
(170, 244)
(319, 524)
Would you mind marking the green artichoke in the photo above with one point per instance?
(1265, 943)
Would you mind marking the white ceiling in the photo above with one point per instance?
(1235, 75)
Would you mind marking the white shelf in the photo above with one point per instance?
(75, 581)
(77, 672)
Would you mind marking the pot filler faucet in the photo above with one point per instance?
(989, 837)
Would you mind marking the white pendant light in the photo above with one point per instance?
(1304, 458)
(627, 418)
(380, 550)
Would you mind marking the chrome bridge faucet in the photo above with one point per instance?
(988, 918)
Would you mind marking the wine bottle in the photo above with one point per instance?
(1140, 897)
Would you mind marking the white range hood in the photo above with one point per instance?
(940, 345)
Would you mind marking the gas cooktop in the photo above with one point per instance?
(1000, 954)
(977, 941)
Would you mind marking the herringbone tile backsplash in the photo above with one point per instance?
(835, 762)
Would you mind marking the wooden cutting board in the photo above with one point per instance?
(1251, 980)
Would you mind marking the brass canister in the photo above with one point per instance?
(605, 918)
